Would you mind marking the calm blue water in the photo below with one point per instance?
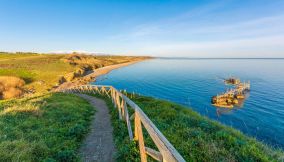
(192, 83)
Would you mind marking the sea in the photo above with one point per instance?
(192, 83)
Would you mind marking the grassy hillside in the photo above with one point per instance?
(41, 72)
(196, 138)
(49, 127)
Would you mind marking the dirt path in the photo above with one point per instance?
(99, 144)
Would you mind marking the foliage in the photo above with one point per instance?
(10, 87)
(49, 127)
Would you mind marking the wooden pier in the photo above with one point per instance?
(231, 96)
(166, 152)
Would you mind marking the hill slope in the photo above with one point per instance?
(43, 72)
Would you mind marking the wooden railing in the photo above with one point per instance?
(166, 153)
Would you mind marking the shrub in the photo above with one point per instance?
(11, 87)
(11, 93)
(11, 81)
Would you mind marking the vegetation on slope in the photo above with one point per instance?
(198, 138)
(42, 72)
(11, 87)
(49, 127)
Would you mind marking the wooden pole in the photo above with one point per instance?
(128, 122)
(154, 154)
(139, 136)
(111, 94)
(122, 108)
(118, 105)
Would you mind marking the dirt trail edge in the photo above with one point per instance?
(98, 145)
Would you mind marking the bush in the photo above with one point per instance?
(11, 87)
(11, 92)
(11, 81)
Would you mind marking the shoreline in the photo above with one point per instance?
(92, 77)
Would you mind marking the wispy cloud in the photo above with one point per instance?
(188, 34)
(167, 25)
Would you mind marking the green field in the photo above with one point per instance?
(40, 72)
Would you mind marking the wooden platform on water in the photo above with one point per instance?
(231, 97)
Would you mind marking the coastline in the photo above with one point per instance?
(92, 77)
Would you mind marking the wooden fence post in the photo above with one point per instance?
(111, 94)
(114, 98)
(122, 105)
(118, 105)
(128, 123)
(140, 138)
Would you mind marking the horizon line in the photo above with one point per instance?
(219, 58)
(159, 57)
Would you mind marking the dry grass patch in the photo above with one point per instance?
(11, 87)
(23, 108)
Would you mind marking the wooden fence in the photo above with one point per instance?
(166, 153)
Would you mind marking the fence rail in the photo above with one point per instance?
(166, 152)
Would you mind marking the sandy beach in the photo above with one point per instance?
(92, 77)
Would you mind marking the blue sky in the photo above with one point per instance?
(181, 28)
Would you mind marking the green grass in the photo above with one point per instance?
(35, 68)
(5, 55)
(198, 138)
(49, 127)
(26, 75)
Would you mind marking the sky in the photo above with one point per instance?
(163, 28)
